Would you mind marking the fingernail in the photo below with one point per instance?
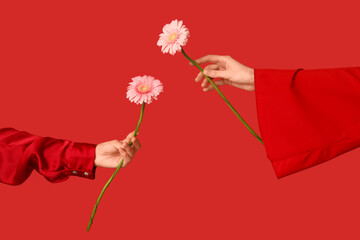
(205, 72)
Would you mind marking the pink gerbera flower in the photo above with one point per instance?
(173, 37)
(144, 89)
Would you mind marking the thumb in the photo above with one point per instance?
(130, 135)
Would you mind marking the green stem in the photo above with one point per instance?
(222, 95)
(139, 122)
(117, 169)
(101, 194)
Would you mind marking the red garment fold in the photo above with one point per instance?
(307, 117)
(55, 159)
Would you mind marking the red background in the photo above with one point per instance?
(64, 69)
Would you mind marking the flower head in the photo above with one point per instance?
(173, 37)
(144, 89)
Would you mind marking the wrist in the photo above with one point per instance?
(96, 159)
(251, 79)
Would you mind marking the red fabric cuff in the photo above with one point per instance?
(307, 117)
(81, 158)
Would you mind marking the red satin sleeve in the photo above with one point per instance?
(55, 159)
(307, 117)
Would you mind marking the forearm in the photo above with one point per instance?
(55, 159)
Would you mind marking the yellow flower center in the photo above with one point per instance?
(143, 88)
(172, 37)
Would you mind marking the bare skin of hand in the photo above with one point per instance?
(109, 154)
(228, 71)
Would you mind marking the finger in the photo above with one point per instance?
(127, 160)
(216, 73)
(116, 143)
(123, 155)
(118, 161)
(218, 83)
(130, 135)
(212, 66)
(129, 150)
(204, 83)
(199, 77)
(136, 145)
(209, 67)
(210, 58)
(127, 141)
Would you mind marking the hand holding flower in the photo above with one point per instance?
(173, 39)
(142, 90)
(230, 72)
(109, 154)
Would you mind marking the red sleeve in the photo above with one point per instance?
(55, 159)
(307, 117)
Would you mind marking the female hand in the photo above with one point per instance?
(230, 72)
(109, 154)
